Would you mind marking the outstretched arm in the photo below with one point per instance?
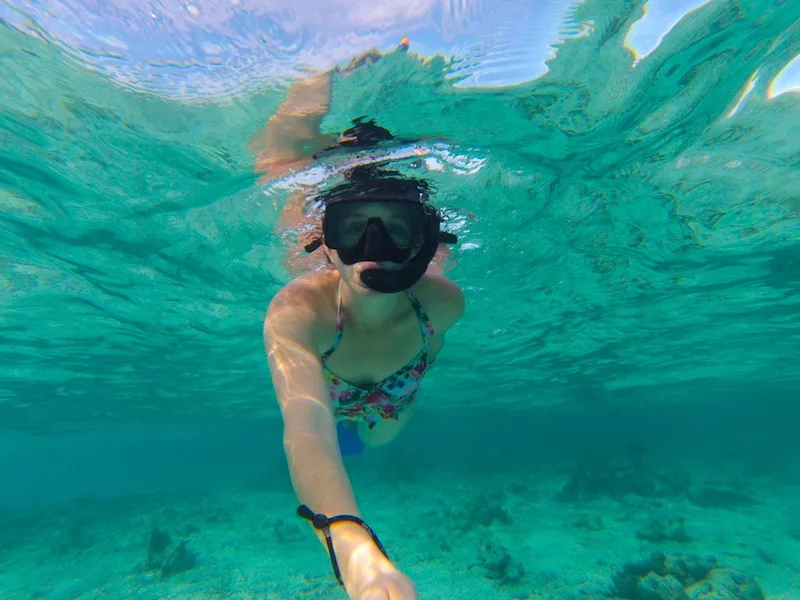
(292, 135)
(311, 446)
(309, 436)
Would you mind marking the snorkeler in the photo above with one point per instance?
(348, 346)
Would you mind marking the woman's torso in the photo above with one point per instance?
(373, 375)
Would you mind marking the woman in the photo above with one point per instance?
(348, 345)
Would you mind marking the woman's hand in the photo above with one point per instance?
(372, 576)
(367, 573)
(273, 167)
(287, 144)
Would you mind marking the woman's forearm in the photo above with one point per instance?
(310, 97)
(294, 129)
(317, 471)
(321, 482)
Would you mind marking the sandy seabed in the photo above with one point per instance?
(574, 535)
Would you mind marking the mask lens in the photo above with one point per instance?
(346, 222)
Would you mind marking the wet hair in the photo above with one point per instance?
(373, 181)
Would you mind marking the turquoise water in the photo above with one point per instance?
(630, 251)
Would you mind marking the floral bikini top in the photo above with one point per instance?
(385, 399)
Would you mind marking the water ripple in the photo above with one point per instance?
(624, 232)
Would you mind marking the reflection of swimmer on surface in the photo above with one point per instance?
(292, 135)
(348, 345)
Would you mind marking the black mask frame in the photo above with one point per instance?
(393, 281)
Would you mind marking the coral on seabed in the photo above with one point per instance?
(675, 577)
(498, 565)
(166, 557)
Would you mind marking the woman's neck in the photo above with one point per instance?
(371, 310)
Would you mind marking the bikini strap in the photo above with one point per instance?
(424, 322)
(339, 326)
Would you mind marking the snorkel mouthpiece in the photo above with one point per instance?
(391, 282)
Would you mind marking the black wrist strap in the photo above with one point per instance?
(323, 523)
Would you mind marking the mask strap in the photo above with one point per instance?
(311, 246)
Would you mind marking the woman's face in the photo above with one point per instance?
(350, 229)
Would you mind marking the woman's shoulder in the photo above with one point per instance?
(442, 299)
(312, 294)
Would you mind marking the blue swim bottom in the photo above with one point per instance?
(350, 443)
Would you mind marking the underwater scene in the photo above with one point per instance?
(615, 413)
